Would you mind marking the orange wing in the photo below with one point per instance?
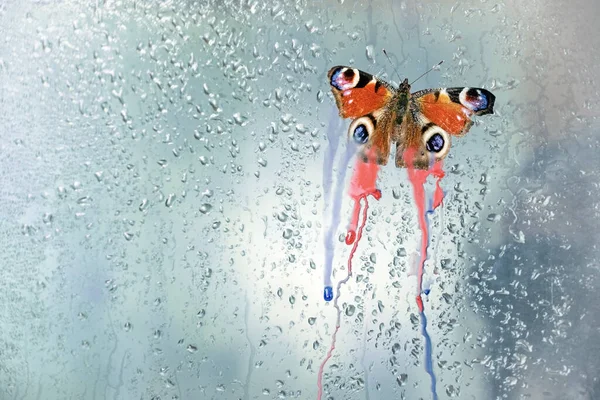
(357, 93)
(436, 115)
(451, 109)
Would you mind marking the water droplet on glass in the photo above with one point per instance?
(370, 53)
(170, 199)
(205, 208)
(320, 96)
(47, 218)
(282, 216)
(239, 120)
(287, 233)
(312, 320)
(451, 391)
(286, 119)
(493, 217)
(350, 310)
(192, 349)
(401, 379)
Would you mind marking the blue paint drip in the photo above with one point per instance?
(428, 345)
(334, 138)
(428, 355)
(328, 293)
(333, 195)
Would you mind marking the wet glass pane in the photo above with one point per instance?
(165, 215)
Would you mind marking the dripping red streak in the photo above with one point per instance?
(362, 185)
(418, 178)
(337, 296)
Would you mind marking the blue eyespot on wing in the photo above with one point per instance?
(361, 136)
(479, 101)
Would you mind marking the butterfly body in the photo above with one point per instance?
(384, 115)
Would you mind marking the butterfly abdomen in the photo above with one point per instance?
(401, 106)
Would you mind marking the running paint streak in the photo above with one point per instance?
(362, 185)
(418, 178)
(334, 139)
(336, 305)
(329, 235)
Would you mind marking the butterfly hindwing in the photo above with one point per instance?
(429, 142)
(373, 135)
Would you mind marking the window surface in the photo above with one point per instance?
(162, 203)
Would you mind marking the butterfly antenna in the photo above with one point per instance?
(393, 66)
(428, 71)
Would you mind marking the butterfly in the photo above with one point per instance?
(423, 121)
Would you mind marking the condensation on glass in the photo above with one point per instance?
(162, 203)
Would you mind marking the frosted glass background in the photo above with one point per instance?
(161, 203)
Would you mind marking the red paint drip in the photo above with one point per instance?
(327, 357)
(335, 302)
(420, 303)
(362, 185)
(417, 178)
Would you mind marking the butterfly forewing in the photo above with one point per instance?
(365, 98)
(357, 93)
(452, 108)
